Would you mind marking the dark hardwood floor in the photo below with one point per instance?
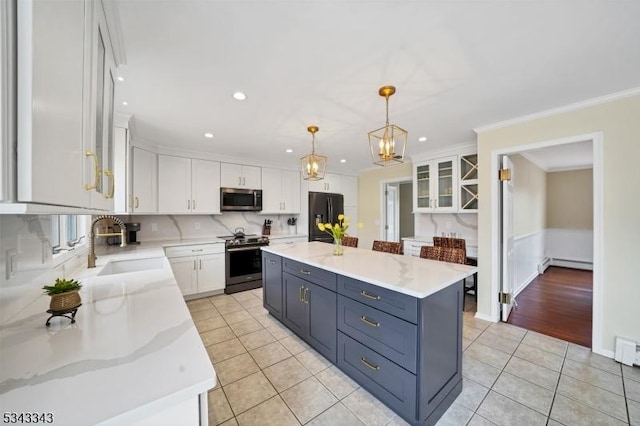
(557, 303)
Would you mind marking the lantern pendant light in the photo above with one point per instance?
(313, 165)
(388, 143)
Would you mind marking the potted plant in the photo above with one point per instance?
(64, 295)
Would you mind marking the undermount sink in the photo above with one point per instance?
(133, 265)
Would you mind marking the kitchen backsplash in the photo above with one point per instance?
(177, 227)
(462, 225)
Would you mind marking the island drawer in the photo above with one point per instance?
(392, 337)
(389, 382)
(389, 301)
(315, 275)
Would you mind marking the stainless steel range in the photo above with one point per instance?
(243, 261)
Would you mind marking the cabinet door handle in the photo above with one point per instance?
(369, 365)
(239, 181)
(194, 264)
(300, 294)
(305, 295)
(369, 295)
(200, 263)
(303, 271)
(244, 181)
(284, 205)
(369, 322)
(271, 262)
(96, 168)
(193, 204)
(108, 173)
(137, 202)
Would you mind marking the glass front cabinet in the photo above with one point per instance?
(435, 185)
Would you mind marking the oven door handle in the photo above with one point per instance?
(230, 250)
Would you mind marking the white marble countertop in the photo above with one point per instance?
(405, 274)
(133, 350)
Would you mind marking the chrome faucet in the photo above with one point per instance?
(92, 235)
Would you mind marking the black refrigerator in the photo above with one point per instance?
(323, 208)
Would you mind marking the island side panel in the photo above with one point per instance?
(272, 284)
(440, 363)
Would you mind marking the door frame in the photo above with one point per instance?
(597, 139)
(383, 202)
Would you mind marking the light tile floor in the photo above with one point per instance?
(268, 376)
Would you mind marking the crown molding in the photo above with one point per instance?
(463, 148)
(554, 111)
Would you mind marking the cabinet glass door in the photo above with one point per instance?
(423, 183)
(445, 184)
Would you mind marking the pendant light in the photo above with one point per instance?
(387, 143)
(313, 165)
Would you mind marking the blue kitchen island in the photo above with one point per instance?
(392, 323)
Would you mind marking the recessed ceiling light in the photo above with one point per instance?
(343, 160)
(125, 103)
(289, 150)
(239, 96)
(422, 139)
(208, 135)
(120, 78)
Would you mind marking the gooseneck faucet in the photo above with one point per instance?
(92, 235)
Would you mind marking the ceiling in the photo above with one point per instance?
(456, 64)
(570, 156)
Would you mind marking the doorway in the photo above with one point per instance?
(397, 209)
(509, 282)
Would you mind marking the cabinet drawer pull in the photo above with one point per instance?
(369, 322)
(304, 271)
(271, 262)
(197, 250)
(369, 365)
(369, 296)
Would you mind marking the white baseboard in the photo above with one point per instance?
(603, 352)
(525, 283)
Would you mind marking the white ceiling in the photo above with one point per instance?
(570, 156)
(456, 64)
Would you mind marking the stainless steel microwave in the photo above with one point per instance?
(240, 200)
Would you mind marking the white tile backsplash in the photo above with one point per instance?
(177, 227)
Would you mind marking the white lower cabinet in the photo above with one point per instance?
(198, 269)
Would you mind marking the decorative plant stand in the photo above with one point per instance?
(63, 313)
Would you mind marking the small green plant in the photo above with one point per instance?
(62, 286)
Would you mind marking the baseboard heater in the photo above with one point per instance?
(565, 263)
(542, 266)
(627, 352)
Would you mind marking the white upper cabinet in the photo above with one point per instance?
(468, 173)
(349, 185)
(280, 191)
(65, 97)
(330, 183)
(145, 182)
(99, 140)
(205, 186)
(51, 68)
(188, 186)
(435, 186)
(240, 176)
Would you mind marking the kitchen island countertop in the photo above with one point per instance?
(405, 274)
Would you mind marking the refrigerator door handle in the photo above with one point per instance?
(330, 210)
